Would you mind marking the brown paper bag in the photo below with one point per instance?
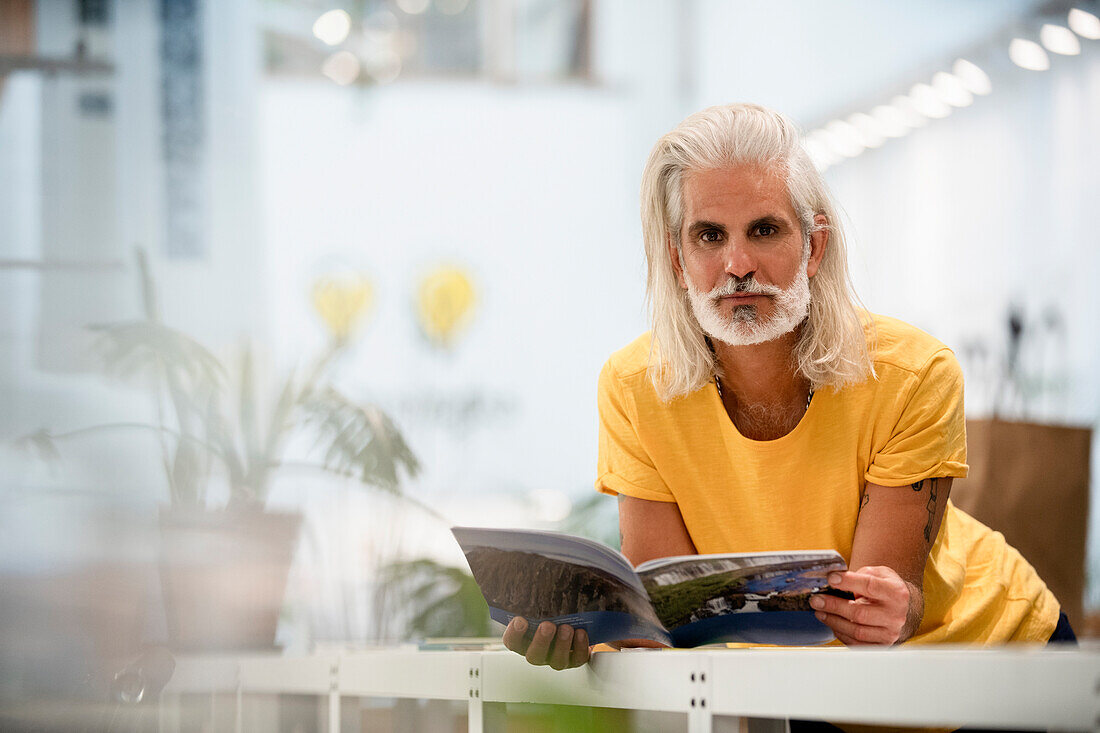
(16, 28)
(1031, 482)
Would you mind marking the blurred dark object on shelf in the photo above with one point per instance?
(1033, 374)
(1031, 483)
(143, 679)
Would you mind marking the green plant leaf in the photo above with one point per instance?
(220, 436)
(188, 478)
(594, 517)
(438, 600)
(280, 418)
(255, 466)
(140, 348)
(359, 440)
(148, 287)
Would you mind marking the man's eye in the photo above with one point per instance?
(711, 236)
(766, 230)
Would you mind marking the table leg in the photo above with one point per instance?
(486, 717)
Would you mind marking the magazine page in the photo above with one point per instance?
(752, 597)
(548, 576)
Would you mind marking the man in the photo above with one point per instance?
(766, 411)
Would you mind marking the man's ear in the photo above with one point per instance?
(674, 256)
(819, 240)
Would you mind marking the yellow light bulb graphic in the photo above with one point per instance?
(445, 304)
(342, 302)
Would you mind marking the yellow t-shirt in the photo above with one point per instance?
(802, 491)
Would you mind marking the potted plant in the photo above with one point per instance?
(224, 569)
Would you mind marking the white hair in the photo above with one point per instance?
(832, 349)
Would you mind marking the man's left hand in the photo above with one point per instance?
(877, 615)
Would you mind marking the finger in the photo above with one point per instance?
(539, 649)
(857, 632)
(515, 637)
(563, 644)
(846, 640)
(871, 583)
(861, 612)
(580, 652)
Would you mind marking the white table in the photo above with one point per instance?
(1017, 687)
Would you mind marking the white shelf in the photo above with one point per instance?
(1018, 687)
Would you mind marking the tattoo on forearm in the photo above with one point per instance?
(931, 507)
(919, 485)
(863, 502)
(620, 497)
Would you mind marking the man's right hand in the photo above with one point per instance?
(560, 647)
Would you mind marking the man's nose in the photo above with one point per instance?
(738, 259)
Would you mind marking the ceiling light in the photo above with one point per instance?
(824, 142)
(819, 151)
(870, 133)
(380, 28)
(928, 102)
(1059, 40)
(891, 121)
(342, 67)
(908, 111)
(1084, 24)
(383, 64)
(972, 77)
(844, 138)
(332, 27)
(1028, 55)
(951, 89)
(413, 7)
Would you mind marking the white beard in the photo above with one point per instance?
(744, 327)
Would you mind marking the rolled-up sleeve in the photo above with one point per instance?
(929, 437)
(624, 466)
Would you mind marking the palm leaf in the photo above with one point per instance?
(439, 600)
(188, 479)
(148, 287)
(594, 517)
(225, 448)
(358, 440)
(154, 353)
(255, 465)
(141, 348)
(280, 417)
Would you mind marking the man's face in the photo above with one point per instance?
(744, 260)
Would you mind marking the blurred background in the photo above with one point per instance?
(289, 287)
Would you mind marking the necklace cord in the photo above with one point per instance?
(722, 396)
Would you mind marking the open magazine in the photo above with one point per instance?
(685, 601)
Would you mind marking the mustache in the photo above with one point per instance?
(747, 284)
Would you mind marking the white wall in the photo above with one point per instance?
(811, 59)
(534, 191)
